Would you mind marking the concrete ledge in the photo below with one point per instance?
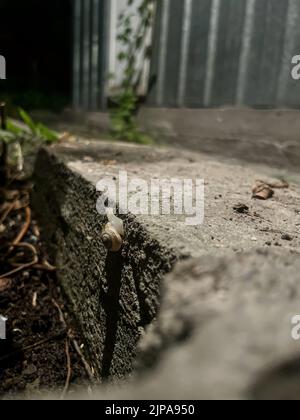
(115, 297)
(224, 331)
(260, 136)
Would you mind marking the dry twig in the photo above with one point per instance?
(44, 267)
(26, 265)
(85, 363)
(61, 315)
(69, 369)
(25, 226)
(74, 342)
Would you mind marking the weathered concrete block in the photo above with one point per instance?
(115, 296)
(224, 331)
(260, 136)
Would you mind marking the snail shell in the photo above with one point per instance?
(111, 239)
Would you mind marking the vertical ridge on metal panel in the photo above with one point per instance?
(105, 13)
(288, 89)
(154, 63)
(211, 51)
(76, 53)
(247, 37)
(184, 50)
(163, 49)
(172, 65)
(95, 45)
(197, 53)
(274, 35)
(86, 55)
(232, 15)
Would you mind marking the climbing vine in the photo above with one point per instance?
(134, 45)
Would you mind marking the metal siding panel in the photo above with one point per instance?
(232, 15)
(163, 51)
(256, 53)
(212, 50)
(86, 57)
(205, 53)
(154, 65)
(103, 56)
(76, 53)
(172, 68)
(289, 89)
(273, 42)
(247, 37)
(95, 44)
(197, 54)
(184, 51)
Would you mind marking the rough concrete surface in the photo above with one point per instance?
(253, 135)
(260, 136)
(219, 298)
(234, 314)
(223, 332)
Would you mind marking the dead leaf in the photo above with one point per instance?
(109, 162)
(280, 184)
(262, 191)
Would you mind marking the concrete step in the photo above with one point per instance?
(116, 296)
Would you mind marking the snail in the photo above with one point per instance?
(113, 232)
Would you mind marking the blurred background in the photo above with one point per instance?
(220, 70)
(204, 53)
(36, 41)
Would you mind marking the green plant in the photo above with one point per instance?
(133, 41)
(38, 130)
(22, 139)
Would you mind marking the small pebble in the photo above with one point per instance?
(286, 237)
(241, 208)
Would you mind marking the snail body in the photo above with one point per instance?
(111, 238)
(113, 232)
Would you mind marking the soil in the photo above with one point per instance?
(39, 353)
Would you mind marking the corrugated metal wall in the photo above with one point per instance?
(90, 55)
(95, 52)
(210, 53)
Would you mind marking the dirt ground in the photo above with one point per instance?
(39, 352)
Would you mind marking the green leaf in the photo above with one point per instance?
(27, 120)
(12, 128)
(46, 134)
(6, 136)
